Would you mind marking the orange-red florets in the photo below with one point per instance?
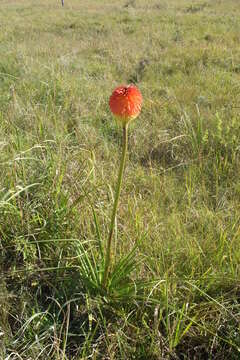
(126, 102)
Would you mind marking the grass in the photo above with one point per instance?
(59, 147)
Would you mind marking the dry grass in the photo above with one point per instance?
(181, 189)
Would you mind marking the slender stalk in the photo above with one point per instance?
(115, 206)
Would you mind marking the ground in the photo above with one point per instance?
(59, 153)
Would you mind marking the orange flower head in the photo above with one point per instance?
(125, 103)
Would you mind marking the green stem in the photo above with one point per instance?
(115, 206)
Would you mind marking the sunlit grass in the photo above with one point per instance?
(59, 150)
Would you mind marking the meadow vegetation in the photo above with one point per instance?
(180, 201)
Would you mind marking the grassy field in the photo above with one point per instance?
(59, 154)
